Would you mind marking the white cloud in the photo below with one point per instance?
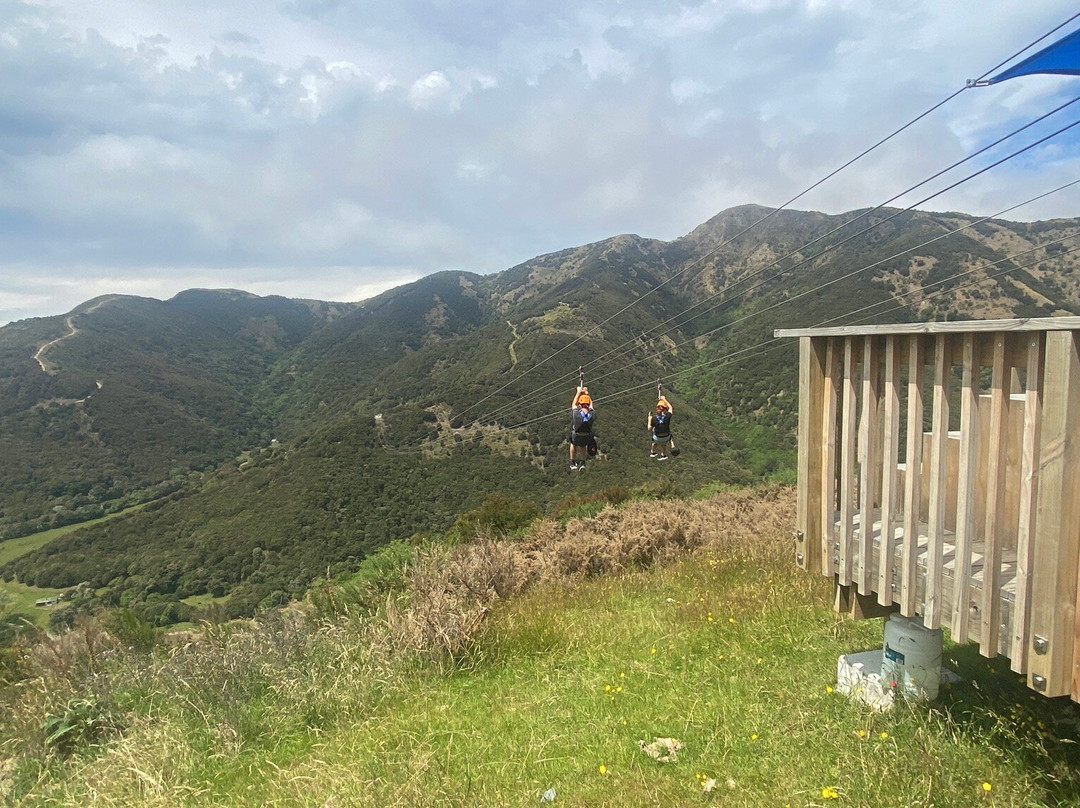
(429, 90)
(360, 144)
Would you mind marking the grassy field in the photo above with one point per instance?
(702, 676)
(23, 597)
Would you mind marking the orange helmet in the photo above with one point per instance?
(584, 398)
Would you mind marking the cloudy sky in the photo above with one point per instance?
(334, 148)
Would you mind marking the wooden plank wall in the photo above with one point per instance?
(973, 523)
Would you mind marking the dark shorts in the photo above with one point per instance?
(580, 438)
(661, 438)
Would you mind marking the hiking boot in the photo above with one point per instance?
(662, 457)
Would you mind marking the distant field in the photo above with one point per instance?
(13, 548)
(24, 596)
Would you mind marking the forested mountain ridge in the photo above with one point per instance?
(123, 397)
(395, 415)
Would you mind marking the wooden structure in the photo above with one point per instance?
(939, 475)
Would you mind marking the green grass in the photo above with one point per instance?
(23, 597)
(14, 548)
(731, 651)
(203, 600)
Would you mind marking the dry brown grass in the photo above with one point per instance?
(449, 590)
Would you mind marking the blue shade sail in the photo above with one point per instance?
(1062, 57)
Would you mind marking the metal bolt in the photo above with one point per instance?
(1040, 644)
(799, 558)
(1039, 683)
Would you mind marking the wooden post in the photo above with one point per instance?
(912, 477)
(995, 498)
(809, 505)
(828, 460)
(935, 549)
(1029, 492)
(868, 461)
(890, 453)
(1057, 526)
(966, 489)
(847, 465)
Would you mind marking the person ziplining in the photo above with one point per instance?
(659, 426)
(582, 439)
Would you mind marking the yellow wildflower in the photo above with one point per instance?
(830, 793)
(987, 787)
(603, 769)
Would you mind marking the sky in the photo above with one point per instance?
(332, 149)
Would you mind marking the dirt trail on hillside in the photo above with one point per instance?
(49, 367)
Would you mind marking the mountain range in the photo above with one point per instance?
(274, 441)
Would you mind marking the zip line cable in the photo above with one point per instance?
(945, 280)
(772, 213)
(866, 230)
(845, 224)
(777, 342)
(974, 282)
(645, 334)
(532, 396)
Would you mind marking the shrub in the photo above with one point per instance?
(498, 513)
(82, 723)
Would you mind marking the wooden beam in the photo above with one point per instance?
(995, 501)
(868, 460)
(890, 455)
(828, 458)
(966, 488)
(912, 477)
(848, 600)
(847, 465)
(952, 327)
(1057, 526)
(935, 550)
(1029, 492)
(809, 505)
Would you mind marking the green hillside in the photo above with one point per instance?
(664, 652)
(283, 440)
(133, 395)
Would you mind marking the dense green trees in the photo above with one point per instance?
(281, 441)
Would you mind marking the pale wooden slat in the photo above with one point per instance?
(867, 463)
(890, 452)
(995, 499)
(1029, 487)
(935, 549)
(847, 466)
(809, 506)
(912, 477)
(828, 458)
(966, 489)
(1054, 564)
(952, 327)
